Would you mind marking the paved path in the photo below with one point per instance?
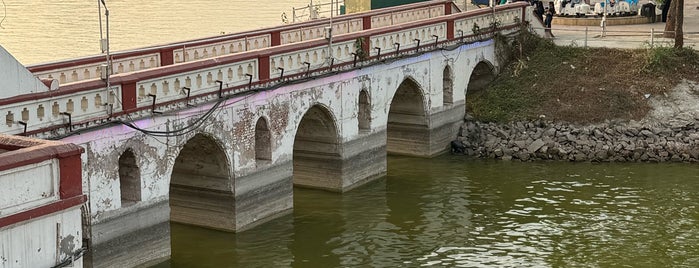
(630, 36)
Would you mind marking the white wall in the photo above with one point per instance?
(28, 186)
(36, 243)
(15, 79)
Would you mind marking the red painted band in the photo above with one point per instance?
(44, 210)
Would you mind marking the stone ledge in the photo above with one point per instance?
(595, 21)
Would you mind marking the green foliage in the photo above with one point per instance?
(358, 43)
(666, 60)
(513, 94)
(501, 102)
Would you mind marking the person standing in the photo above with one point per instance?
(539, 11)
(550, 11)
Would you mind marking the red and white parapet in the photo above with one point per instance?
(40, 199)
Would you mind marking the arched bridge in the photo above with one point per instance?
(216, 132)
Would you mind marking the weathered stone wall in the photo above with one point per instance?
(608, 142)
(257, 189)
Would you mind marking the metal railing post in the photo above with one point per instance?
(652, 37)
(585, 36)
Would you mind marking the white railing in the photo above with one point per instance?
(299, 61)
(37, 114)
(408, 38)
(465, 26)
(93, 70)
(404, 16)
(221, 48)
(317, 32)
(171, 87)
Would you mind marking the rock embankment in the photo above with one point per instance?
(609, 142)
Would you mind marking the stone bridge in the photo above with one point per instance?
(221, 139)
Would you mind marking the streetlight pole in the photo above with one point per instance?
(330, 35)
(104, 44)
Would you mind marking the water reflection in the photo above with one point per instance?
(470, 213)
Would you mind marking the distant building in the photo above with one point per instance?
(353, 6)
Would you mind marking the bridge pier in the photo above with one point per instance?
(238, 171)
(264, 195)
(445, 127)
(138, 235)
(364, 160)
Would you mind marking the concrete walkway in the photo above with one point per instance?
(630, 36)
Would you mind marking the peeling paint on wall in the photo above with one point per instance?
(233, 126)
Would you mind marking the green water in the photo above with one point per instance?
(454, 212)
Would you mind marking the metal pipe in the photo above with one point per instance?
(249, 80)
(188, 90)
(378, 55)
(330, 33)
(281, 76)
(152, 109)
(99, 12)
(220, 88)
(308, 68)
(108, 59)
(70, 120)
(25, 127)
(417, 48)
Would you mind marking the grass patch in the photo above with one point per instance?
(582, 85)
(667, 60)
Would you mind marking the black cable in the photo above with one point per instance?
(193, 126)
(70, 259)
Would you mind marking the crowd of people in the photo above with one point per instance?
(544, 13)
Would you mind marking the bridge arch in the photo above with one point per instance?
(407, 130)
(447, 86)
(364, 111)
(201, 185)
(263, 140)
(317, 161)
(482, 74)
(129, 178)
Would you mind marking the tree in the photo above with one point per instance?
(679, 20)
(675, 19)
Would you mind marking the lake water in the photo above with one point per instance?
(455, 212)
(37, 31)
(447, 211)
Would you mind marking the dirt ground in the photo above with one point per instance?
(591, 85)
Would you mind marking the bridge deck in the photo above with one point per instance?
(142, 92)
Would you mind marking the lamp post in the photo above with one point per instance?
(330, 35)
(104, 45)
(603, 23)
